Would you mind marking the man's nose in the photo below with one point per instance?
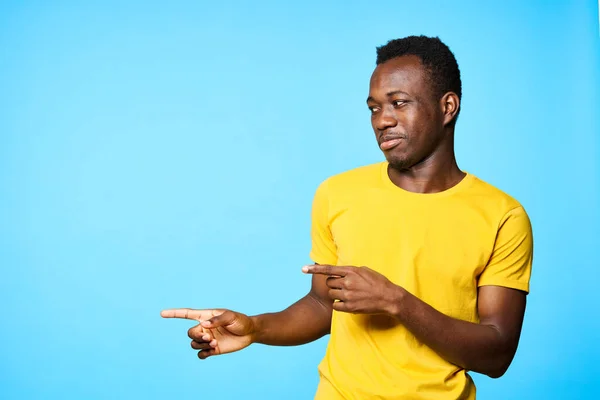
(385, 119)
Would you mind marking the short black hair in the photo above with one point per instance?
(435, 56)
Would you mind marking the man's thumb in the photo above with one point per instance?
(224, 319)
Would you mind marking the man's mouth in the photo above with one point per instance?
(389, 143)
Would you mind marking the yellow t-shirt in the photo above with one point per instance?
(440, 247)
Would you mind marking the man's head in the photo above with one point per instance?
(414, 98)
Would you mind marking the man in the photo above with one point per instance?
(421, 270)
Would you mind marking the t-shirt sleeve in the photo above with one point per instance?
(512, 257)
(323, 250)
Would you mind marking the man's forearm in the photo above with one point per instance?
(304, 321)
(476, 347)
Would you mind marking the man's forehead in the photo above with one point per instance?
(404, 70)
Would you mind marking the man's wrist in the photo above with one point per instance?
(257, 334)
(395, 301)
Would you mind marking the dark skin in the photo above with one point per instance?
(414, 129)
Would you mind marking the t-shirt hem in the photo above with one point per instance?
(321, 260)
(506, 283)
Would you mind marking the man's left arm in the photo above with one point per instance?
(487, 347)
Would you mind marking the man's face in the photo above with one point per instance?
(406, 117)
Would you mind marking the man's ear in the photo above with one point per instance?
(450, 104)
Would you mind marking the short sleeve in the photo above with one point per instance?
(323, 249)
(512, 257)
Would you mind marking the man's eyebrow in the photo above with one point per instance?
(395, 92)
(389, 94)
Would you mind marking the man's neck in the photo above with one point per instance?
(430, 176)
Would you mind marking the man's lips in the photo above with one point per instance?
(390, 142)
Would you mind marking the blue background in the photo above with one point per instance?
(156, 156)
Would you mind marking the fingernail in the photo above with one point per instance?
(305, 268)
(205, 323)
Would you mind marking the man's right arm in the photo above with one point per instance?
(304, 321)
(224, 331)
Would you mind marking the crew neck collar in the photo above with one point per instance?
(464, 182)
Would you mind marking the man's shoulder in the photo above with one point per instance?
(493, 195)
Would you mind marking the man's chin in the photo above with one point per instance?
(399, 164)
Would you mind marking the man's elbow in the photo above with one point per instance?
(496, 373)
(499, 366)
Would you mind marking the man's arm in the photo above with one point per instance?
(304, 321)
(224, 331)
(487, 347)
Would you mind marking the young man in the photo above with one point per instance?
(421, 270)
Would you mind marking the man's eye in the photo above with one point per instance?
(373, 109)
(398, 103)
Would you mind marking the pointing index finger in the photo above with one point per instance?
(321, 269)
(187, 313)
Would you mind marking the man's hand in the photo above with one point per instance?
(358, 290)
(218, 331)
